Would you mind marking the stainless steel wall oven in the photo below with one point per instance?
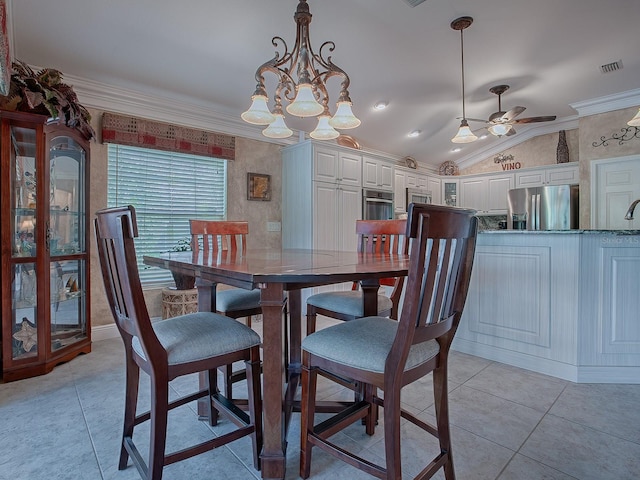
(377, 205)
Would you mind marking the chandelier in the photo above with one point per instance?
(302, 75)
(464, 135)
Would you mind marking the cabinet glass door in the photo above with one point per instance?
(450, 192)
(24, 287)
(66, 242)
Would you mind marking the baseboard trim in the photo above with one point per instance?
(104, 332)
(572, 373)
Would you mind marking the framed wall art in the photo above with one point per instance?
(258, 187)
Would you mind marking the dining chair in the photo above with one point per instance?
(167, 349)
(214, 237)
(374, 236)
(384, 354)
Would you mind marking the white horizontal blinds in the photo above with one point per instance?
(166, 189)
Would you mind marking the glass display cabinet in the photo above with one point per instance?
(450, 192)
(45, 259)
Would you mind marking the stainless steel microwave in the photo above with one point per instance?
(418, 195)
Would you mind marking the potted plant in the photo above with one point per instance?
(183, 281)
(43, 92)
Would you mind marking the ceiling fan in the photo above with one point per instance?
(501, 123)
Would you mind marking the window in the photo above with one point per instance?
(166, 189)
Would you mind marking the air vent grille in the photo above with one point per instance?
(414, 3)
(611, 67)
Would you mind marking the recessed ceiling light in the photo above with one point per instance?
(455, 150)
(381, 105)
(415, 133)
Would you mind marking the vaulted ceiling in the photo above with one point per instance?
(205, 53)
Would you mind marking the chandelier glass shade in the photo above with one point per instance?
(324, 130)
(301, 75)
(635, 121)
(464, 135)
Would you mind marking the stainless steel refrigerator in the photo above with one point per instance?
(551, 207)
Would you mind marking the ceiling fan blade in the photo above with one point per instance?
(512, 131)
(535, 119)
(474, 120)
(511, 114)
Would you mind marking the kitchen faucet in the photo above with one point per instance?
(629, 215)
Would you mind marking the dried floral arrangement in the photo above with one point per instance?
(43, 92)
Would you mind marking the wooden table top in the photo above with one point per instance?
(294, 267)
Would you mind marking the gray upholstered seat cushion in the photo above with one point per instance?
(347, 303)
(365, 344)
(237, 299)
(201, 335)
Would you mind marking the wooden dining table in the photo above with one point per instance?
(281, 274)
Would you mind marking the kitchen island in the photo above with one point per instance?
(563, 303)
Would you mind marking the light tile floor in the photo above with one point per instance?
(507, 424)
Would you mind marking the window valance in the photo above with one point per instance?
(138, 132)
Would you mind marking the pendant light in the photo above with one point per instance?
(464, 135)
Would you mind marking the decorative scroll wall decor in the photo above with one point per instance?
(502, 158)
(137, 132)
(626, 134)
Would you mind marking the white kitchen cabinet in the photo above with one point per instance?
(320, 214)
(558, 303)
(336, 166)
(487, 194)
(377, 173)
(472, 193)
(404, 179)
(335, 218)
(434, 185)
(399, 189)
(564, 174)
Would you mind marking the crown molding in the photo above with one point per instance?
(567, 123)
(608, 103)
(101, 96)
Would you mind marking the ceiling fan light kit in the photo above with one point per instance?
(308, 95)
(500, 129)
(464, 135)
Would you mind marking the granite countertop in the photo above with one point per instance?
(582, 232)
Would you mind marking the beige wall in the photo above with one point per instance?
(540, 151)
(251, 156)
(535, 152)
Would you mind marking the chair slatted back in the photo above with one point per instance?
(214, 236)
(115, 230)
(442, 252)
(382, 236)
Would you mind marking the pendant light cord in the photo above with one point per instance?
(464, 116)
